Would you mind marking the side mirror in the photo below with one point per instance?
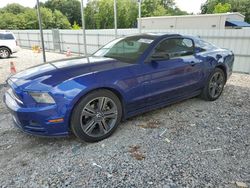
(197, 50)
(160, 56)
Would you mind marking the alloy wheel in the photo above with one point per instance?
(4, 53)
(99, 116)
(216, 84)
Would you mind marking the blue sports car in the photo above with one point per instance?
(128, 76)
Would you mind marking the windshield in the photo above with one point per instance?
(127, 49)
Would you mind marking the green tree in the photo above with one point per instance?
(222, 8)
(47, 18)
(30, 17)
(168, 3)
(60, 21)
(27, 19)
(160, 8)
(70, 8)
(241, 6)
(153, 8)
(75, 26)
(208, 6)
(99, 14)
(127, 11)
(14, 8)
(8, 21)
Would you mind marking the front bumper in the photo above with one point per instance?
(35, 121)
(15, 49)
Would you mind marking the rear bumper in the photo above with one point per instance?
(35, 120)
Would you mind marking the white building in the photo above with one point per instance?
(203, 21)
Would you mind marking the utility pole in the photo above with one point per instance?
(139, 16)
(115, 17)
(83, 29)
(41, 29)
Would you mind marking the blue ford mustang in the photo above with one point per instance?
(128, 76)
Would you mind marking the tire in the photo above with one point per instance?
(4, 53)
(96, 116)
(214, 86)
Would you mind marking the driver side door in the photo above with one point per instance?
(175, 72)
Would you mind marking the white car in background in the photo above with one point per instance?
(8, 44)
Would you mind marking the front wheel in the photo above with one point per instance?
(4, 52)
(96, 116)
(214, 86)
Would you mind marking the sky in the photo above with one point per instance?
(191, 6)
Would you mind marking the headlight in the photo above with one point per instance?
(42, 98)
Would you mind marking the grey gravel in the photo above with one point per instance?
(193, 144)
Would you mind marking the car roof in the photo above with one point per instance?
(159, 35)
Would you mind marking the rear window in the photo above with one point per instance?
(8, 36)
(203, 46)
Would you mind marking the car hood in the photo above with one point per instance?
(50, 74)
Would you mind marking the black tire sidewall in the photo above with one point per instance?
(75, 118)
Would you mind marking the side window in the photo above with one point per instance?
(8, 37)
(176, 47)
(1, 36)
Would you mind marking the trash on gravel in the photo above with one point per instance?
(152, 124)
(167, 140)
(94, 164)
(210, 150)
(136, 153)
(241, 184)
(109, 175)
(193, 125)
(163, 133)
(149, 126)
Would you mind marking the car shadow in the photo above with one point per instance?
(11, 57)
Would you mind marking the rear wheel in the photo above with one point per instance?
(96, 116)
(4, 52)
(214, 86)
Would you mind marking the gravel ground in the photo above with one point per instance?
(189, 144)
(23, 60)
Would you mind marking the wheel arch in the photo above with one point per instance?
(223, 68)
(7, 48)
(79, 98)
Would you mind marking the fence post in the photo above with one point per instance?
(98, 40)
(19, 38)
(62, 50)
(78, 44)
(28, 36)
(48, 43)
